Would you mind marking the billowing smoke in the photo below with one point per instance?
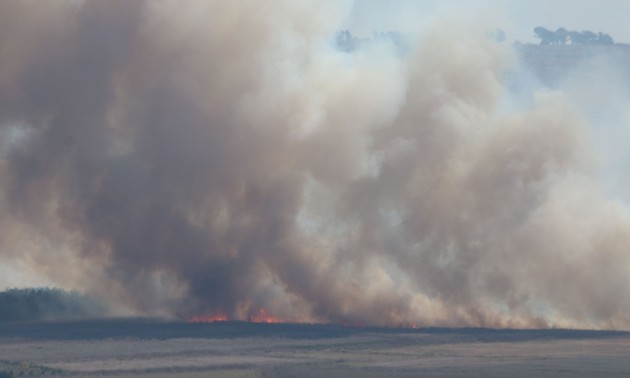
(221, 157)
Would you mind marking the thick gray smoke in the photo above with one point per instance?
(219, 157)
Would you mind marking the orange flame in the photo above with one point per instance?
(259, 316)
(262, 316)
(208, 318)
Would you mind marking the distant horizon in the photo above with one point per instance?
(518, 18)
(535, 41)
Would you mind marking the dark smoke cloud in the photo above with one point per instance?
(219, 157)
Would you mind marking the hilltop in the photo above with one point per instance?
(551, 63)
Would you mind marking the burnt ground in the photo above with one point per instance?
(155, 348)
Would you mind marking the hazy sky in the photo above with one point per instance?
(517, 17)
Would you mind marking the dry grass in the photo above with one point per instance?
(360, 353)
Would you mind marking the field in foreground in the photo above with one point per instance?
(153, 348)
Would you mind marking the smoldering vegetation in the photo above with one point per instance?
(161, 329)
(40, 304)
(221, 157)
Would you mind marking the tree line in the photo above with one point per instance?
(563, 36)
(347, 42)
(33, 304)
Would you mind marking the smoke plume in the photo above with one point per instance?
(222, 157)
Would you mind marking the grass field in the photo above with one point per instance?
(152, 348)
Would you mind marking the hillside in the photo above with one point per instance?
(552, 63)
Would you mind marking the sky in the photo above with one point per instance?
(518, 17)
